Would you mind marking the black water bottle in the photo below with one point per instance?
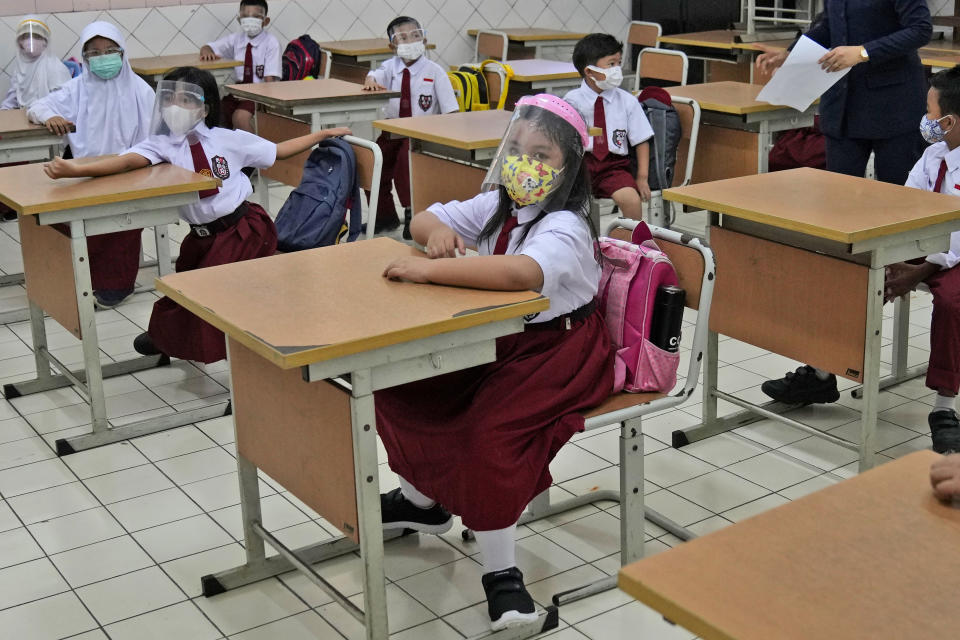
(667, 317)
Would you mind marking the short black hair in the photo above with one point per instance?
(255, 3)
(947, 83)
(593, 47)
(399, 20)
(206, 81)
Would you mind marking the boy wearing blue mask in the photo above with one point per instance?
(604, 105)
(937, 170)
(111, 107)
(259, 51)
(424, 89)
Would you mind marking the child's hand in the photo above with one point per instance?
(409, 268)
(643, 186)
(59, 168)
(207, 54)
(58, 126)
(336, 132)
(444, 242)
(945, 476)
(370, 84)
(902, 278)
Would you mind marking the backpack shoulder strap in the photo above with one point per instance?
(659, 123)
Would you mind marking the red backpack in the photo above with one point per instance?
(301, 58)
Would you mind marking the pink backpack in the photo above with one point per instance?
(632, 272)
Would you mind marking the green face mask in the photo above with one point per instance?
(107, 66)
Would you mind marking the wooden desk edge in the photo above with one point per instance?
(310, 355)
(670, 610)
(213, 65)
(89, 201)
(800, 227)
(472, 145)
(690, 42)
(280, 103)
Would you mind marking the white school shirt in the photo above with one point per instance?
(227, 151)
(430, 88)
(924, 176)
(626, 123)
(266, 53)
(560, 243)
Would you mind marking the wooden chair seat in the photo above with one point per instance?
(621, 400)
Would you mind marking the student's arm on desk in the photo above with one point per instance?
(498, 273)
(60, 168)
(945, 477)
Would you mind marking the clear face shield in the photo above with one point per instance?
(410, 40)
(32, 38)
(178, 108)
(539, 158)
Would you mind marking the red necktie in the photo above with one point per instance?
(405, 109)
(504, 238)
(940, 176)
(600, 149)
(248, 65)
(202, 166)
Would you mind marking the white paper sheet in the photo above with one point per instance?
(800, 80)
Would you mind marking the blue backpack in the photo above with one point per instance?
(315, 214)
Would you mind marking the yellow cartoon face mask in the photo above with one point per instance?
(526, 180)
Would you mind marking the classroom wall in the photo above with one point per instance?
(156, 27)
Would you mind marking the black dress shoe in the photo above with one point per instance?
(143, 344)
(802, 387)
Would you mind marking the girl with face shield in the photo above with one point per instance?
(37, 70)
(478, 443)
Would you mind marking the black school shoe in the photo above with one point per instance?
(508, 602)
(143, 344)
(945, 431)
(802, 387)
(399, 513)
(110, 298)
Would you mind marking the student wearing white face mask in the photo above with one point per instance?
(424, 89)
(259, 51)
(603, 104)
(224, 227)
(37, 70)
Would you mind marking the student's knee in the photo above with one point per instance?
(628, 199)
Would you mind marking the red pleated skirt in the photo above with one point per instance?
(480, 441)
(114, 260)
(178, 332)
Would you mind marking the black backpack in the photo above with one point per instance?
(658, 107)
(301, 58)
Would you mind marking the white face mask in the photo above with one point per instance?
(33, 47)
(251, 26)
(180, 120)
(411, 50)
(613, 77)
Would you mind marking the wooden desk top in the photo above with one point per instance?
(361, 46)
(14, 124)
(870, 557)
(163, 64)
(944, 44)
(462, 130)
(309, 306)
(716, 39)
(530, 34)
(297, 92)
(939, 58)
(822, 204)
(535, 69)
(738, 98)
(28, 190)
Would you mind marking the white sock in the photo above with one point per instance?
(944, 403)
(410, 493)
(498, 548)
(821, 374)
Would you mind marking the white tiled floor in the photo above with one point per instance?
(111, 543)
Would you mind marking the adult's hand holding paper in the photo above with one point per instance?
(800, 80)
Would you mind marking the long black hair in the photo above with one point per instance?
(575, 183)
(206, 81)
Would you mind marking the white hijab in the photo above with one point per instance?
(34, 78)
(112, 115)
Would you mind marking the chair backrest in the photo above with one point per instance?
(661, 64)
(491, 44)
(687, 261)
(495, 81)
(688, 111)
(326, 61)
(645, 34)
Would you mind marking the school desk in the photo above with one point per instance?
(800, 266)
(531, 42)
(153, 69)
(724, 57)
(938, 59)
(22, 141)
(870, 557)
(58, 276)
(354, 59)
(736, 131)
(304, 364)
(540, 76)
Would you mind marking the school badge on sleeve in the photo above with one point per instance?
(619, 137)
(220, 167)
(425, 102)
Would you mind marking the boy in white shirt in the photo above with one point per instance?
(603, 104)
(257, 49)
(424, 89)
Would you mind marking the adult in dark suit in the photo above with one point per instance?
(878, 105)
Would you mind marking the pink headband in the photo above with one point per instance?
(558, 107)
